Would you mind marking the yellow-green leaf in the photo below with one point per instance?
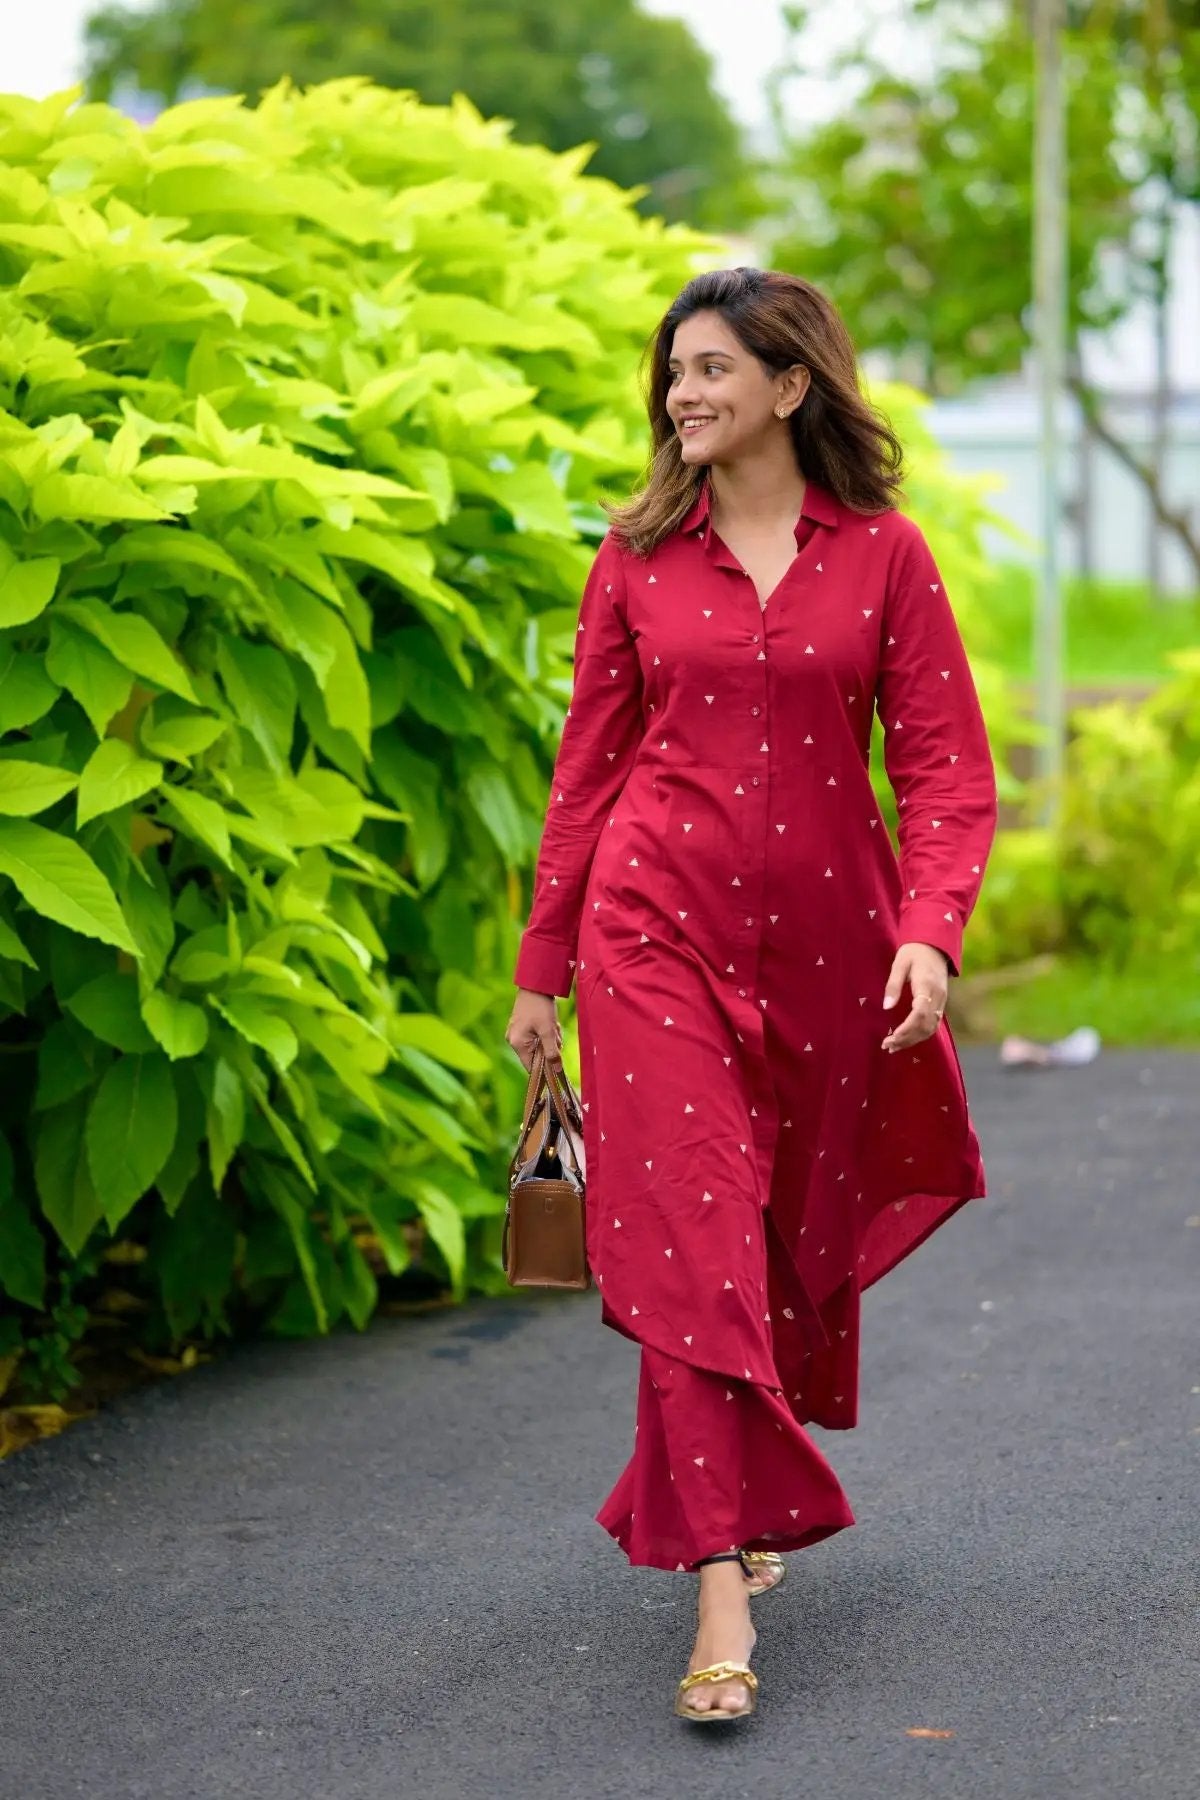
(58, 878)
(130, 1130)
(113, 775)
(261, 1027)
(27, 590)
(87, 671)
(133, 641)
(30, 787)
(179, 1026)
(200, 818)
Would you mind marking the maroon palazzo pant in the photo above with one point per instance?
(721, 1464)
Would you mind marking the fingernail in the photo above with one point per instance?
(888, 1001)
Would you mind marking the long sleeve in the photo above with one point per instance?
(601, 732)
(936, 752)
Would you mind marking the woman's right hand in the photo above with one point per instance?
(534, 1020)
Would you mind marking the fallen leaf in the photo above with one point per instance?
(926, 1731)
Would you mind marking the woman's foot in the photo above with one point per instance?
(724, 1634)
(762, 1575)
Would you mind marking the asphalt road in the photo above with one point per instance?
(367, 1568)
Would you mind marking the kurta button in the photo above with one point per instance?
(754, 710)
(754, 639)
(749, 921)
(741, 993)
(754, 780)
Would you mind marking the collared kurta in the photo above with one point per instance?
(715, 876)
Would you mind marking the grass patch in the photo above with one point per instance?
(1154, 1003)
(1116, 631)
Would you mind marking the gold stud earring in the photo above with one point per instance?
(779, 413)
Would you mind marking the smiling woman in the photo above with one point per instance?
(715, 869)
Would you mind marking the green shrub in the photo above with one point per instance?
(1020, 911)
(1113, 894)
(304, 413)
(1131, 825)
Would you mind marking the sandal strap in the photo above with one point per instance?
(721, 1671)
(771, 1558)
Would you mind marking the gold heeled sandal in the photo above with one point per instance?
(722, 1671)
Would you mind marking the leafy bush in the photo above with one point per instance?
(304, 412)
(1131, 826)
(1020, 911)
(1113, 893)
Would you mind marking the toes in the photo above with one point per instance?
(763, 1575)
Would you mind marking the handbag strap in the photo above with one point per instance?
(562, 1105)
(558, 1087)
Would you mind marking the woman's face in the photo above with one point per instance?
(718, 383)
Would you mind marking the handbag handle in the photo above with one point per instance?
(562, 1097)
(562, 1105)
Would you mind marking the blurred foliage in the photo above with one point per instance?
(1146, 1002)
(1130, 849)
(1116, 633)
(1114, 897)
(596, 71)
(303, 414)
(914, 205)
(1020, 911)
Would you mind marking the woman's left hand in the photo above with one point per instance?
(926, 970)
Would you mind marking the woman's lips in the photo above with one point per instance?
(689, 430)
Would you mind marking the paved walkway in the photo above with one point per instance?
(366, 1569)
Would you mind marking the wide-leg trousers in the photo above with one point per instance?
(718, 1464)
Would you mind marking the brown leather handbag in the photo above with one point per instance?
(545, 1233)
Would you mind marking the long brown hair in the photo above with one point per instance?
(841, 441)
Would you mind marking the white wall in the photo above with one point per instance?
(998, 433)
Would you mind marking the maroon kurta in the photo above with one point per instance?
(714, 867)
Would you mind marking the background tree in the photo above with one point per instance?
(913, 206)
(595, 70)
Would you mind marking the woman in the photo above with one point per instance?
(715, 872)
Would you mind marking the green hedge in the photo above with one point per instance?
(1130, 848)
(304, 414)
(1113, 894)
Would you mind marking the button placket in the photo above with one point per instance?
(743, 932)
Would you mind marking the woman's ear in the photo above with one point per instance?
(796, 384)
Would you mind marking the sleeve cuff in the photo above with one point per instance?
(545, 967)
(928, 922)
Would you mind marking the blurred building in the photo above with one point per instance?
(1147, 374)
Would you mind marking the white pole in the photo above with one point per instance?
(1050, 346)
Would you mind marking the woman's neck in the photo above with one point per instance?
(758, 491)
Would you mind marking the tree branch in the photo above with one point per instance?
(1172, 520)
